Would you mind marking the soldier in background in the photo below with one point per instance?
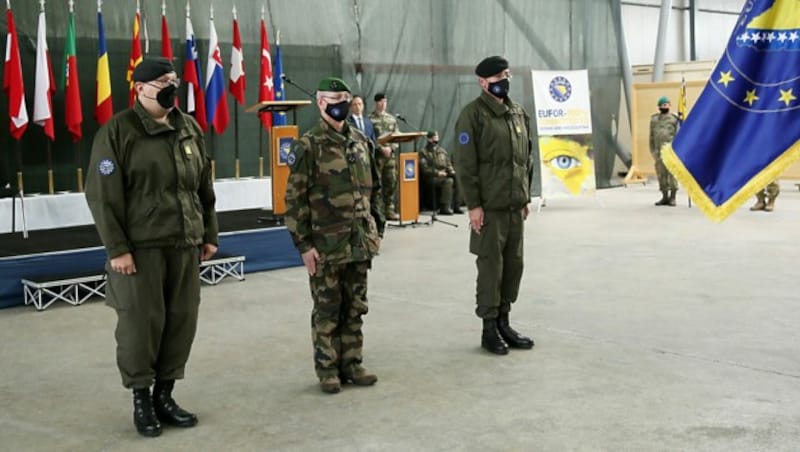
(335, 219)
(766, 197)
(385, 123)
(495, 167)
(438, 174)
(663, 127)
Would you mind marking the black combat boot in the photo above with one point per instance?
(166, 409)
(512, 338)
(144, 416)
(664, 199)
(491, 340)
(445, 209)
(672, 194)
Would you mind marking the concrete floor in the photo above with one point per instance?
(656, 329)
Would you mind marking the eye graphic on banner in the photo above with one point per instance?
(569, 161)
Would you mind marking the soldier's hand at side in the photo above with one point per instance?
(476, 219)
(310, 259)
(442, 173)
(387, 151)
(207, 251)
(525, 212)
(123, 264)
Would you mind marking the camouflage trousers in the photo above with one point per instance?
(387, 167)
(666, 181)
(772, 190)
(340, 299)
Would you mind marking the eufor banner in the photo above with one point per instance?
(564, 128)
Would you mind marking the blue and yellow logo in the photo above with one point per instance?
(560, 89)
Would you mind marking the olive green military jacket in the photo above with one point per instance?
(493, 159)
(433, 159)
(332, 195)
(149, 184)
(384, 123)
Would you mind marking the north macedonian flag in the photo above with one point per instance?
(744, 130)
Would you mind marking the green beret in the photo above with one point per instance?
(491, 66)
(334, 84)
(431, 133)
(152, 68)
(663, 100)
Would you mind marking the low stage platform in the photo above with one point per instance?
(78, 250)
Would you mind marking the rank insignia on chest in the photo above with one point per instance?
(187, 149)
(519, 130)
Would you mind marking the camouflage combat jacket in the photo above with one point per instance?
(493, 157)
(663, 127)
(332, 193)
(384, 123)
(435, 158)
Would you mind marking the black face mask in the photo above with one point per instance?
(664, 110)
(338, 111)
(434, 142)
(166, 97)
(499, 88)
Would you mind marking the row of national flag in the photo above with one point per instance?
(206, 98)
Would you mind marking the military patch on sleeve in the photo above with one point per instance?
(463, 138)
(295, 154)
(106, 167)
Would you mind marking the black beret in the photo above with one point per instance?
(152, 68)
(491, 66)
(379, 97)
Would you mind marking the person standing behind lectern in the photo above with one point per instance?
(150, 192)
(494, 167)
(384, 124)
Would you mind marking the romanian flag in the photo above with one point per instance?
(12, 82)
(70, 83)
(103, 107)
(136, 56)
(744, 130)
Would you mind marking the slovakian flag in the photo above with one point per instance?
(69, 83)
(103, 107)
(135, 57)
(195, 100)
(744, 129)
(237, 83)
(265, 88)
(278, 119)
(216, 99)
(45, 85)
(13, 84)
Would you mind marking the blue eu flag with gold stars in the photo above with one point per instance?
(744, 130)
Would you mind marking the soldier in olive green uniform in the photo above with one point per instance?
(663, 127)
(438, 173)
(494, 166)
(385, 123)
(766, 197)
(335, 219)
(151, 195)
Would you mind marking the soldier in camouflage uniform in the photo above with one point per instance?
(335, 219)
(438, 173)
(766, 197)
(385, 123)
(494, 165)
(663, 127)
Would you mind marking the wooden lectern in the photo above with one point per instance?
(280, 144)
(407, 176)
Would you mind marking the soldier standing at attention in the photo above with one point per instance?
(439, 174)
(334, 216)
(385, 123)
(663, 127)
(151, 195)
(494, 167)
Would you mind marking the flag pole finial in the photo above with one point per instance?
(163, 7)
(188, 8)
(8, 4)
(99, 6)
(41, 5)
(138, 9)
(262, 12)
(278, 37)
(234, 12)
(211, 12)
(72, 6)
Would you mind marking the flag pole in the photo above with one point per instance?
(235, 126)
(75, 147)
(261, 128)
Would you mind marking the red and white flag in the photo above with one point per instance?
(13, 85)
(265, 91)
(45, 84)
(166, 41)
(237, 82)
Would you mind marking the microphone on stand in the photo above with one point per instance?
(289, 81)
